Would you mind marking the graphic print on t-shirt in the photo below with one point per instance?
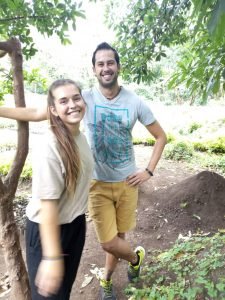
(111, 136)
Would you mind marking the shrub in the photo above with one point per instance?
(193, 127)
(179, 151)
(170, 138)
(214, 146)
(4, 169)
(200, 146)
(143, 92)
(149, 141)
(137, 141)
(25, 175)
(7, 125)
(27, 172)
(216, 163)
(217, 146)
(7, 147)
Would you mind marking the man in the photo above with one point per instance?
(111, 113)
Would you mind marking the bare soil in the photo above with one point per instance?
(177, 200)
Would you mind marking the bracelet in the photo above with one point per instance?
(52, 257)
(149, 172)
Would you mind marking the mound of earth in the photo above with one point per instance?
(196, 204)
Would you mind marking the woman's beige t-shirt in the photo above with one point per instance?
(48, 180)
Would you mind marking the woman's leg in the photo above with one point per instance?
(72, 239)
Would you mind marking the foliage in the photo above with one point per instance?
(6, 83)
(35, 82)
(194, 126)
(25, 175)
(7, 125)
(150, 141)
(7, 147)
(201, 68)
(170, 138)
(48, 17)
(191, 269)
(147, 28)
(179, 150)
(212, 146)
(138, 41)
(137, 141)
(216, 163)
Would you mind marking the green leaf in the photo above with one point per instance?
(217, 20)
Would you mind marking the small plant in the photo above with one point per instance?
(7, 125)
(7, 147)
(213, 146)
(149, 141)
(192, 269)
(143, 92)
(25, 175)
(193, 127)
(179, 151)
(4, 169)
(170, 138)
(200, 146)
(137, 141)
(27, 172)
(217, 146)
(221, 121)
(216, 163)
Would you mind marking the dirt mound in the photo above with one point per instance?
(195, 204)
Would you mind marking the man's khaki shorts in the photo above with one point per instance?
(112, 207)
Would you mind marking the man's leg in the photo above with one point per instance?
(126, 207)
(118, 247)
(112, 260)
(112, 207)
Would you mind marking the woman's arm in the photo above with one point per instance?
(34, 114)
(51, 269)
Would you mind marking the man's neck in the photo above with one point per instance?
(110, 93)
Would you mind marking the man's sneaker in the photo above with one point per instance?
(107, 291)
(133, 272)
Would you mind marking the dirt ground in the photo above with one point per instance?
(177, 200)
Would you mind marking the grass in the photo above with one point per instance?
(192, 269)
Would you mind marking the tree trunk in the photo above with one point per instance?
(9, 236)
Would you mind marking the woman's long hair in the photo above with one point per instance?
(67, 147)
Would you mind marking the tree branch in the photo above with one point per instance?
(2, 188)
(23, 132)
(6, 46)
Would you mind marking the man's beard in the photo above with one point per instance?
(109, 84)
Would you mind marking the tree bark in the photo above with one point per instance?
(9, 235)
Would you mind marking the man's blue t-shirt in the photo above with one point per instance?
(108, 127)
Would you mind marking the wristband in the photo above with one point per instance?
(52, 257)
(149, 172)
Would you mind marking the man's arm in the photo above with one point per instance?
(156, 130)
(34, 114)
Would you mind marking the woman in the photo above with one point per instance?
(62, 171)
